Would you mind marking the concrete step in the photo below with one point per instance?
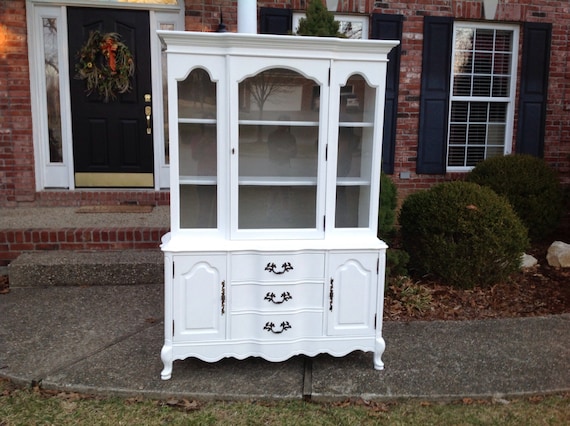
(87, 268)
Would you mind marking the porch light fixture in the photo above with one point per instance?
(490, 8)
(221, 26)
(332, 5)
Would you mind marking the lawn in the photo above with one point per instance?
(37, 407)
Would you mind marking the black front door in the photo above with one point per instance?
(112, 139)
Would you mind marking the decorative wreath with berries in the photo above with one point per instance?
(106, 65)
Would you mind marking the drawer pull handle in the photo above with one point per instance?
(285, 267)
(284, 326)
(331, 295)
(285, 296)
(223, 297)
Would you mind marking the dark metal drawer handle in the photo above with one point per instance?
(331, 295)
(285, 267)
(284, 326)
(285, 296)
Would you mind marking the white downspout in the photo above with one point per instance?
(247, 16)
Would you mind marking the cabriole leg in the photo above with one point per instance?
(378, 352)
(166, 356)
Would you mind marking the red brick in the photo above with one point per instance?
(22, 246)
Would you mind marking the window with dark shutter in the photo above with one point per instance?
(533, 88)
(434, 98)
(275, 21)
(468, 92)
(483, 87)
(389, 27)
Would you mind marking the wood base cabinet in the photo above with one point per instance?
(274, 147)
(273, 305)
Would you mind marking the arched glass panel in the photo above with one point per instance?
(355, 148)
(197, 129)
(278, 150)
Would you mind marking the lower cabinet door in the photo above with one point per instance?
(199, 295)
(352, 292)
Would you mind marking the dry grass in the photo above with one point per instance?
(37, 407)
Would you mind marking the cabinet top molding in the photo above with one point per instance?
(270, 45)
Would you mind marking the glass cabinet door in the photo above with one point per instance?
(278, 129)
(355, 152)
(197, 145)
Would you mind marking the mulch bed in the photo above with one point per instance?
(541, 290)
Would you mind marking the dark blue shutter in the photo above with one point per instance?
(389, 27)
(276, 21)
(434, 96)
(533, 88)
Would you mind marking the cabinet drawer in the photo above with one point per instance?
(275, 327)
(277, 266)
(276, 297)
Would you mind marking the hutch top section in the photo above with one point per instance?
(269, 45)
(274, 137)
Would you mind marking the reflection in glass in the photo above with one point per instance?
(354, 155)
(197, 132)
(284, 150)
(351, 207)
(198, 152)
(198, 206)
(477, 131)
(278, 150)
(51, 61)
(278, 91)
(273, 207)
(350, 29)
(482, 62)
(197, 95)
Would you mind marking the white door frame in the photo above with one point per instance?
(60, 175)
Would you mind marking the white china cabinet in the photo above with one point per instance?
(275, 150)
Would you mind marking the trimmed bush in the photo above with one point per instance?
(387, 210)
(530, 185)
(462, 233)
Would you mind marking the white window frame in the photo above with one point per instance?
(510, 100)
(49, 175)
(363, 20)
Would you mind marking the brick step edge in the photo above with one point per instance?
(14, 242)
(86, 268)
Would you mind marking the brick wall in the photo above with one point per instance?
(17, 184)
(557, 136)
(13, 242)
(17, 181)
(557, 140)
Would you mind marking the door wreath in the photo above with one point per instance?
(106, 65)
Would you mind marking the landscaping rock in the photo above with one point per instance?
(528, 261)
(558, 255)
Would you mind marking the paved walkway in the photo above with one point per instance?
(107, 340)
(59, 217)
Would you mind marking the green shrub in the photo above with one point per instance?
(396, 260)
(463, 233)
(396, 263)
(318, 21)
(530, 185)
(388, 205)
